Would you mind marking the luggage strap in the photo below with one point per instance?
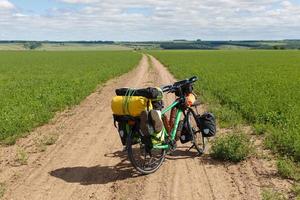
(129, 93)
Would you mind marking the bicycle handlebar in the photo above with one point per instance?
(178, 84)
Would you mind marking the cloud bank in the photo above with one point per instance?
(6, 5)
(138, 20)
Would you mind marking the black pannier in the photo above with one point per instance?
(207, 124)
(150, 92)
(123, 133)
(122, 124)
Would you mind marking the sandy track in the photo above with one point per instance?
(87, 161)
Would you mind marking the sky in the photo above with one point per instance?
(148, 20)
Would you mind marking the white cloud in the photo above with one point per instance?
(6, 5)
(79, 1)
(159, 20)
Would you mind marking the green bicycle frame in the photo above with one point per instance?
(174, 128)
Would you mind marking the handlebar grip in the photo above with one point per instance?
(193, 79)
(166, 88)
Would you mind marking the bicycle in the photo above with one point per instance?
(148, 161)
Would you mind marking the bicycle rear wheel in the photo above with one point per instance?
(143, 161)
(197, 138)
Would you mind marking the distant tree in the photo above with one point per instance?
(279, 47)
(32, 45)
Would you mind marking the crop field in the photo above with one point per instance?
(65, 47)
(260, 86)
(34, 85)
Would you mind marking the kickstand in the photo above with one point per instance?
(191, 147)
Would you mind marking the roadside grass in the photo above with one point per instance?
(269, 194)
(10, 140)
(49, 139)
(21, 157)
(296, 191)
(233, 147)
(2, 189)
(45, 141)
(34, 85)
(226, 118)
(261, 129)
(288, 169)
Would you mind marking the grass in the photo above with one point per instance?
(45, 141)
(288, 169)
(49, 139)
(2, 189)
(21, 156)
(261, 87)
(233, 147)
(82, 47)
(225, 116)
(10, 140)
(35, 85)
(269, 194)
(296, 190)
(260, 129)
(66, 47)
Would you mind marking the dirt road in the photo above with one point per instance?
(87, 161)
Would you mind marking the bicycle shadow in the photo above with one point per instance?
(182, 153)
(121, 171)
(206, 159)
(97, 174)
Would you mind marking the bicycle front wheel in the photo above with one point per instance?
(146, 162)
(197, 138)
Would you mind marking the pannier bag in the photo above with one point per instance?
(207, 124)
(122, 126)
(153, 93)
(123, 131)
(121, 123)
(130, 105)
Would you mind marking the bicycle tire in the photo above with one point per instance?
(197, 138)
(138, 165)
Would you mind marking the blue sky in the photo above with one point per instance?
(137, 20)
(43, 6)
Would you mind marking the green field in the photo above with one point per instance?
(65, 47)
(261, 87)
(34, 85)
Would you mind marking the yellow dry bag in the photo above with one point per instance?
(130, 105)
